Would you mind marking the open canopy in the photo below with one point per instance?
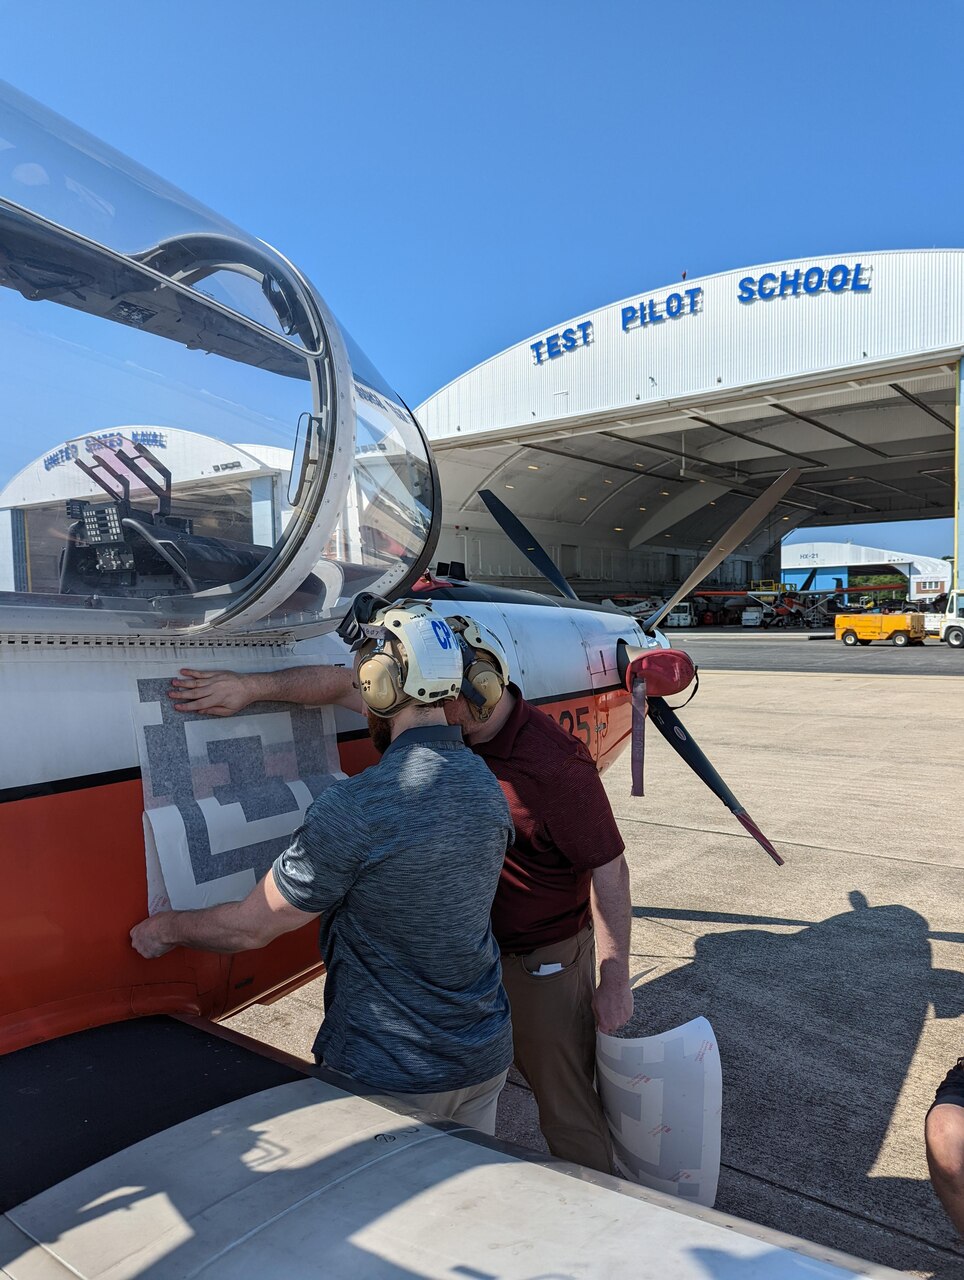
(124, 302)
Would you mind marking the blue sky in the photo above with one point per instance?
(433, 166)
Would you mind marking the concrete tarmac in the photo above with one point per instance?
(796, 650)
(835, 984)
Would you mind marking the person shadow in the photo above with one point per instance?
(817, 1031)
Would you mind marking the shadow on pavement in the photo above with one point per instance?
(817, 1032)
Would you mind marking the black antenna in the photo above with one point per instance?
(98, 479)
(122, 480)
(161, 492)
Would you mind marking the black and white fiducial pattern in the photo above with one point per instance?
(222, 796)
(662, 1096)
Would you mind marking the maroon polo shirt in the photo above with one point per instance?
(564, 829)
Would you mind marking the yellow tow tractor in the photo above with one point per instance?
(862, 628)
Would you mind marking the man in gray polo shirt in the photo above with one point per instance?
(401, 862)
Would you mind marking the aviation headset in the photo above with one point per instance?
(404, 653)
(485, 668)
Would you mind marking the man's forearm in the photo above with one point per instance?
(310, 686)
(612, 915)
(219, 928)
(234, 926)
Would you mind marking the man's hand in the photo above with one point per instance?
(213, 693)
(147, 938)
(612, 912)
(231, 926)
(612, 1004)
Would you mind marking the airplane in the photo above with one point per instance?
(135, 318)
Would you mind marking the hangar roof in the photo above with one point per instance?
(668, 411)
(841, 555)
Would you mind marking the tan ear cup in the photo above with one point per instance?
(487, 682)
(379, 682)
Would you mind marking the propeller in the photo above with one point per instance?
(734, 537)
(523, 540)
(668, 723)
(661, 713)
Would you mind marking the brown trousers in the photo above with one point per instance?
(554, 1033)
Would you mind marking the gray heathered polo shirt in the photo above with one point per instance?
(403, 861)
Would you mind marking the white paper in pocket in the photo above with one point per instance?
(663, 1099)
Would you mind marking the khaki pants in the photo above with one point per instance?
(554, 1033)
(475, 1106)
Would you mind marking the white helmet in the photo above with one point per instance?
(485, 665)
(406, 654)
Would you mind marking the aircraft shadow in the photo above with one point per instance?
(247, 1164)
(817, 1032)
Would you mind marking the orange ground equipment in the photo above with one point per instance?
(862, 628)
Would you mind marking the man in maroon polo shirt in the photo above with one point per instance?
(564, 874)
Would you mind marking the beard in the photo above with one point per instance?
(380, 732)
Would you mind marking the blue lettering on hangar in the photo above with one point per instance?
(554, 345)
(790, 284)
(658, 310)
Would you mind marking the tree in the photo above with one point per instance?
(877, 579)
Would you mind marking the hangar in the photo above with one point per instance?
(630, 438)
(228, 491)
(926, 575)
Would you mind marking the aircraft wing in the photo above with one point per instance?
(305, 1179)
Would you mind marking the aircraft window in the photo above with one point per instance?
(146, 439)
(168, 434)
(77, 182)
(179, 446)
(390, 512)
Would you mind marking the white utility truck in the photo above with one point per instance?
(682, 615)
(948, 625)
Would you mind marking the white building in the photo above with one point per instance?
(631, 437)
(233, 491)
(927, 576)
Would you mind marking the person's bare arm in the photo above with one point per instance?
(223, 693)
(234, 926)
(612, 915)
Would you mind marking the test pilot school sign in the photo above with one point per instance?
(791, 284)
(648, 313)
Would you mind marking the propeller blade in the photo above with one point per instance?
(668, 723)
(731, 540)
(517, 533)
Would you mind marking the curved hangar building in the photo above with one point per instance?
(630, 438)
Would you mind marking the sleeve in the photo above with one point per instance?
(580, 820)
(324, 858)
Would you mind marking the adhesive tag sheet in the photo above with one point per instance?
(223, 796)
(434, 648)
(663, 1099)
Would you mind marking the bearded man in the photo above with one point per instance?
(401, 863)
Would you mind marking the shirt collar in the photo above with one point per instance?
(450, 734)
(503, 744)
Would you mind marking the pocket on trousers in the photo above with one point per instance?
(542, 978)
